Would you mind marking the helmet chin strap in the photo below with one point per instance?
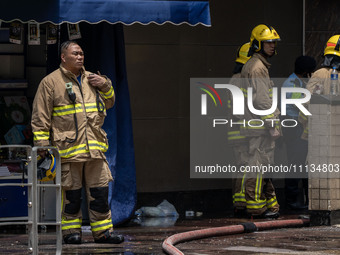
(331, 60)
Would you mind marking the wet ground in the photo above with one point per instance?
(146, 237)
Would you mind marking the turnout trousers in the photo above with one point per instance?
(241, 157)
(94, 175)
(259, 191)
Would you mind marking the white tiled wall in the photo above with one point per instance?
(324, 148)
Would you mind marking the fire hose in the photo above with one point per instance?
(248, 227)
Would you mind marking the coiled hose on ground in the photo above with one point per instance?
(248, 227)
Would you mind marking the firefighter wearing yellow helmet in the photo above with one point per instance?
(260, 197)
(235, 140)
(46, 167)
(332, 46)
(259, 35)
(242, 54)
(320, 81)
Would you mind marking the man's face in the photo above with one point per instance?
(269, 48)
(73, 58)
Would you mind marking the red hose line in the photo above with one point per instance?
(168, 244)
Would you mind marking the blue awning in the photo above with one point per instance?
(112, 11)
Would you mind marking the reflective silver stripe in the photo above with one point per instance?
(91, 107)
(69, 225)
(41, 135)
(267, 116)
(271, 202)
(95, 145)
(67, 109)
(255, 205)
(258, 188)
(81, 148)
(108, 94)
(73, 151)
(103, 226)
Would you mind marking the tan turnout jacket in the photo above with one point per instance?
(255, 74)
(321, 81)
(320, 77)
(53, 116)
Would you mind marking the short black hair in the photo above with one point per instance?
(304, 64)
(66, 44)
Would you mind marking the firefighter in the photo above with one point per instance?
(296, 147)
(259, 192)
(68, 112)
(235, 139)
(320, 80)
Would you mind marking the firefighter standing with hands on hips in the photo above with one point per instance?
(259, 192)
(68, 112)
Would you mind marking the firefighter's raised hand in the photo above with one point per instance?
(96, 80)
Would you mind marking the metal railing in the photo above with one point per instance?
(33, 203)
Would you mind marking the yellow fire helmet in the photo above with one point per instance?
(263, 33)
(46, 167)
(332, 46)
(242, 53)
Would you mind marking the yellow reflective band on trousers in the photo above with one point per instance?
(235, 135)
(81, 148)
(306, 130)
(69, 224)
(101, 225)
(108, 94)
(41, 135)
(258, 187)
(258, 203)
(240, 197)
(302, 115)
(271, 202)
(67, 109)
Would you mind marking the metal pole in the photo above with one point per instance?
(33, 202)
(34, 231)
(303, 27)
(58, 202)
